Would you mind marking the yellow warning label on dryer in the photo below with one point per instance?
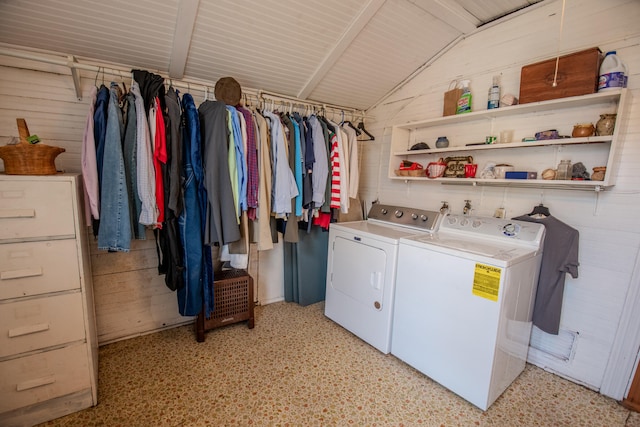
(486, 281)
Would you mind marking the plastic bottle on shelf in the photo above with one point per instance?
(464, 103)
(611, 73)
(493, 101)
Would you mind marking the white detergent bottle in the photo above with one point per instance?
(611, 73)
(493, 100)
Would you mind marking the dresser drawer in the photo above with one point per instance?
(31, 209)
(43, 376)
(39, 323)
(34, 268)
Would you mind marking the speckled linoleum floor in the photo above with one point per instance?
(298, 368)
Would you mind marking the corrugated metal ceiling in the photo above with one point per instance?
(344, 52)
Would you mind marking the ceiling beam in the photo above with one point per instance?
(355, 27)
(451, 13)
(187, 11)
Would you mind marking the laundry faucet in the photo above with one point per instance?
(467, 207)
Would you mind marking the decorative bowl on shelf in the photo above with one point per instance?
(583, 130)
(442, 142)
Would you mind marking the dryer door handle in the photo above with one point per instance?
(376, 280)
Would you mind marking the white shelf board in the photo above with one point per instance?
(541, 143)
(531, 183)
(533, 107)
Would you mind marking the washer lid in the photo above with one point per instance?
(468, 247)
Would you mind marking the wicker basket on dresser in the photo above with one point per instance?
(48, 343)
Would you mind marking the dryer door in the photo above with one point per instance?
(359, 272)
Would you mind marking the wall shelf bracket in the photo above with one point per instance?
(75, 74)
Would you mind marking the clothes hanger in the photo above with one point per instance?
(350, 124)
(95, 83)
(540, 211)
(361, 127)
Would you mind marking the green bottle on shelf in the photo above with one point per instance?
(464, 103)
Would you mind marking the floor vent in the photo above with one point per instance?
(559, 346)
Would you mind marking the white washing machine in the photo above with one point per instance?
(361, 269)
(464, 302)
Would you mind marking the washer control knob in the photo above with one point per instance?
(511, 229)
(414, 216)
(476, 223)
(464, 222)
(399, 213)
(423, 217)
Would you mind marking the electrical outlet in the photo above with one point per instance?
(500, 213)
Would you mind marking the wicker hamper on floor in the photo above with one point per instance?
(233, 299)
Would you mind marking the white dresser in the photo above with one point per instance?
(48, 344)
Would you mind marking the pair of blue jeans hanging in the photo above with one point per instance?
(191, 220)
(131, 167)
(115, 223)
(99, 130)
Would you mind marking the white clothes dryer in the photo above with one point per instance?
(464, 303)
(361, 269)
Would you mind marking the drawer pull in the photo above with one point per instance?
(29, 329)
(17, 213)
(17, 274)
(38, 382)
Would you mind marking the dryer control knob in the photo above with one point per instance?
(399, 213)
(423, 217)
(384, 211)
(414, 216)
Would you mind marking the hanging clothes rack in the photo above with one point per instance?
(314, 105)
(189, 84)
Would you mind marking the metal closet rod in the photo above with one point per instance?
(259, 95)
(266, 95)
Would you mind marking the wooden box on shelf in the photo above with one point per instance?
(577, 75)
